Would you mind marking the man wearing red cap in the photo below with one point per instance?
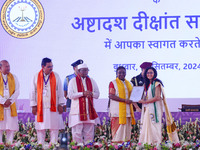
(139, 79)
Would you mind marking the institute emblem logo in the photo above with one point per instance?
(22, 18)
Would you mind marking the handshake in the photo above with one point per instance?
(127, 101)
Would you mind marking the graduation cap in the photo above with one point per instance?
(76, 63)
(145, 65)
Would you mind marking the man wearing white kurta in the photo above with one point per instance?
(9, 91)
(83, 116)
(47, 101)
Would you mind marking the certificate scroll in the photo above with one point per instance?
(137, 93)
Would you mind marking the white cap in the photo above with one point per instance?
(82, 66)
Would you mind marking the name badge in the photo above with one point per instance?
(6, 93)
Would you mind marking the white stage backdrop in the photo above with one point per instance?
(105, 34)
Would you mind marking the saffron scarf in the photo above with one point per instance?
(11, 84)
(40, 82)
(82, 100)
(122, 105)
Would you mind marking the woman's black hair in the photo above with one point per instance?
(147, 81)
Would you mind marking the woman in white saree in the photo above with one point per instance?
(152, 111)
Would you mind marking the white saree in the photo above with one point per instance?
(151, 122)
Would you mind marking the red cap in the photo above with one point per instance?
(145, 65)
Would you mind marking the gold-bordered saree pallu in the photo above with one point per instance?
(171, 127)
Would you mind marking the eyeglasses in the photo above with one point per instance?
(150, 72)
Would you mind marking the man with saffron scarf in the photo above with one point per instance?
(82, 118)
(121, 108)
(9, 91)
(47, 101)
